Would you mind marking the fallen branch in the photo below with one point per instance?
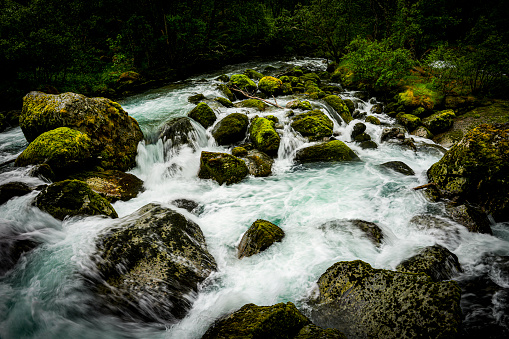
(253, 97)
(431, 184)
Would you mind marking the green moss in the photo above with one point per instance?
(330, 151)
(225, 102)
(272, 118)
(297, 104)
(259, 237)
(314, 124)
(340, 107)
(313, 77)
(62, 149)
(420, 95)
(270, 86)
(239, 151)
(410, 121)
(373, 120)
(313, 90)
(203, 114)
(231, 129)
(264, 136)
(223, 78)
(253, 103)
(226, 91)
(194, 99)
(242, 82)
(222, 167)
(440, 121)
(252, 74)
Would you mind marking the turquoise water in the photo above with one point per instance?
(45, 296)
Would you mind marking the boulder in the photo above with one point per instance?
(270, 86)
(358, 129)
(443, 229)
(222, 167)
(253, 103)
(264, 136)
(364, 302)
(252, 321)
(435, 261)
(70, 198)
(188, 205)
(252, 74)
(64, 149)
(472, 217)
(13, 189)
(340, 107)
(113, 185)
(297, 104)
(312, 331)
(422, 132)
(43, 172)
(369, 230)
(313, 90)
(398, 166)
(178, 132)
(239, 151)
(350, 104)
(440, 121)
(335, 150)
(225, 102)
(113, 133)
(377, 108)
(368, 144)
(203, 114)
(226, 91)
(151, 264)
(258, 163)
(194, 99)
(410, 121)
(231, 129)
(392, 133)
(314, 125)
(223, 78)
(259, 237)
(243, 83)
(373, 120)
(476, 170)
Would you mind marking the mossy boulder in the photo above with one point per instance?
(253, 103)
(151, 263)
(264, 136)
(63, 149)
(243, 83)
(194, 99)
(226, 91)
(364, 302)
(113, 185)
(314, 125)
(259, 237)
(340, 107)
(257, 322)
(410, 121)
(398, 166)
(297, 104)
(476, 170)
(70, 198)
(239, 151)
(373, 120)
(258, 163)
(13, 189)
(270, 86)
(113, 133)
(225, 102)
(222, 167)
(310, 77)
(203, 114)
(435, 261)
(252, 74)
(335, 150)
(43, 172)
(440, 121)
(313, 90)
(231, 129)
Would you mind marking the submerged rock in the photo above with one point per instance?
(369, 230)
(435, 261)
(335, 150)
(222, 167)
(177, 132)
(259, 237)
(264, 136)
(70, 198)
(340, 107)
(398, 166)
(203, 114)
(252, 321)
(188, 205)
(194, 99)
(231, 129)
(152, 262)
(113, 133)
(13, 189)
(476, 170)
(258, 163)
(43, 172)
(314, 124)
(364, 302)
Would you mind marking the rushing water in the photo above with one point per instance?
(45, 295)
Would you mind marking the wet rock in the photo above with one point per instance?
(270, 86)
(340, 107)
(264, 136)
(398, 166)
(63, 149)
(440, 121)
(252, 321)
(359, 115)
(444, 230)
(393, 133)
(227, 92)
(422, 132)
(258, 163)
(194, 99)
(112, 184)
(358, 129)
(223, 78)
(350, 104)
(178, 132)
(13, 189)
(113, 133)
(297, 104)
(152, 262)
(222, 167)
(372, 303)
(261, 235)
(186, 204)
(312, 331)
(411, 122)
(12, 246)
(314, 125)
(42, 171)
(252, 74)
(203, 114)
(435, 261)
(335, 150)
(225, 102)
(369, 230)
(377, 108)
(368, 144)
(243, 83)
(253, 103)
(373, 120)
(476, 170)
(70, 198)
(239, 151)
(231, 129)
(472, 217)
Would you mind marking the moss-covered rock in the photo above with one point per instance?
(178, 132)
(70, 198)
(372, 120)
(410, 121)
(369, 144)
(476, 170)
(63, 149)
(357, 129)
(440, 121)
(253, 103)
(223, 78)
(259, 237)
(112, 184)
(258, 163)
(312, 331)
(194, 99)
(340, 107)
(114, 134)
(225, 102)
(313, 90)
(203, 114)
(243, 83)
(270, 86)
(310, 77)
(152, 262)
(435, 261)
(222, 167)
(257, 322)
(13, 189)
(313, 124)
(297, 104)
(264, 136)
(226, 91)
(231, 129)
(335, 150)
(252, 74)
(239, 151)
(398, 166)
(372, 303)
(368, 230)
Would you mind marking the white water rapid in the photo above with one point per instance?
(45, 296)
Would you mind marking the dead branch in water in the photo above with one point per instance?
(253, 97)
(431, 184)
